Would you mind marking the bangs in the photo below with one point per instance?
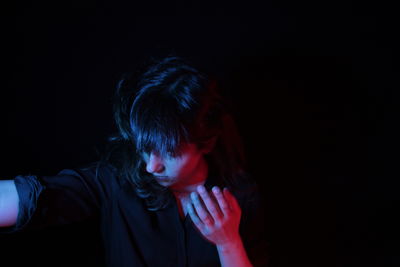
(157, 127)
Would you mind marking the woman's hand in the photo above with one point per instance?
(216, 215)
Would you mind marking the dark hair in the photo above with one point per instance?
(169, 104)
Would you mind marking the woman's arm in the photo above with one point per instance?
(9, 201)
(36, 202)
(233, 255)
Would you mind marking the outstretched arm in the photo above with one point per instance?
(9, 201)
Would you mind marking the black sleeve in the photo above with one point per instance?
(70, 196)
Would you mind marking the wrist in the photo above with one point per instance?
(233, 254)
(230, 246)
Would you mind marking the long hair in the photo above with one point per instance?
(172, 103)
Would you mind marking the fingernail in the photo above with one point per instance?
(216, 189)
(201, 189)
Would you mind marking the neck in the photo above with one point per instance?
(191, 186)
(187, 189)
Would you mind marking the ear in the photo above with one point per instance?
(208, 145)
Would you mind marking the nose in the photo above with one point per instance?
(154, 164)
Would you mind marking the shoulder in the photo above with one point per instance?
(98, 175)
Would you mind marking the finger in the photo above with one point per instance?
(221, 201)
(193, 215)
(210, 203)
(203, 214)
(231, 200)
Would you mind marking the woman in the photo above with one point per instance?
(170, 190)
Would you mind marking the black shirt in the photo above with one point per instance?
(132, 235)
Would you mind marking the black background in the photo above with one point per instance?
(315, 92)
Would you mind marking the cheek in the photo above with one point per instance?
(185, 165)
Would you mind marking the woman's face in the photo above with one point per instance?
(178, 172)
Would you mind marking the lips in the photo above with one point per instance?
(162, 177)
(164, 180)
